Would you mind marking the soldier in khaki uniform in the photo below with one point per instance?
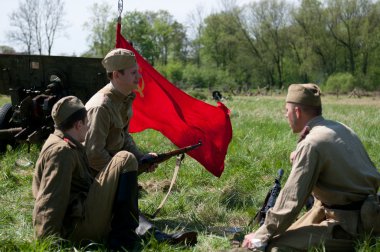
(110, 111)
(73, 204)
(330, 163)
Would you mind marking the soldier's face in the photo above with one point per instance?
(82, 129)
(292, 116)
(129, 80)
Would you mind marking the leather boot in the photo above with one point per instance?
(188, 238)
(146, 230)
(125, 214)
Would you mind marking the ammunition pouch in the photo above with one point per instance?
(370, 215)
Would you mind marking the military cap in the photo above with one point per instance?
(306, 94)
(64, 108)
(119, 59)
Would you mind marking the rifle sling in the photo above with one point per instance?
(175, 174)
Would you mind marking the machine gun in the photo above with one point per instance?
(35, 83)
(269, 201)
(165, 156)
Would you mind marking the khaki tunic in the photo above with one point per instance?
(109, 113)
(61, 183)
(332, 164)
(70, 202)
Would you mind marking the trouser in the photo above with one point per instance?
(370, 215)
(333, 229)
(99, 203)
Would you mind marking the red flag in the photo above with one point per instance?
(161, 106)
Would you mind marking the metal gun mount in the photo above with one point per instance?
(34, 84)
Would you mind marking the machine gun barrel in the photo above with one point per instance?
(6, 134)
(165, 156)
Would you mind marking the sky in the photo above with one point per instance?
(74, 39)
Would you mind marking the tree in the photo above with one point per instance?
(7, 49)
(196, 21)
(267, 22)
(22, 20)
(53, 20)
(168, 35)
(312, 47)
(137, 29)
(156, 35)
(178, 49)
(37, 23)
(102, 30)
(348, 19)
(220, 39)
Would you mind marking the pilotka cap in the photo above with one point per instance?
(119, 59)
(306, 94)
(64, 108)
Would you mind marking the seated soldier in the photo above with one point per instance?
(70, 202)
(109, 114)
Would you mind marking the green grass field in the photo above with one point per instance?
(262, 142)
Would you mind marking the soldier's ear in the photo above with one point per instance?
(298, 111)
(115, 74)
(78, 125)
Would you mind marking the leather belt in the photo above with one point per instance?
(352, 206)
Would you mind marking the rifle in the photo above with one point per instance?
(165, 156)
(269, 201)
(180, 153)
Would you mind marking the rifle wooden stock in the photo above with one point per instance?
(165, 156)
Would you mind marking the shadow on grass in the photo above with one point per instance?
(181, 224)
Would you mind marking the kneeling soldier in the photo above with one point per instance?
(331, 163)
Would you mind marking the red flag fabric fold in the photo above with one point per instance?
(161, 106)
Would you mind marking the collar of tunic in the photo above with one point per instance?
(119, 98)
(315, 121)
(68, 139)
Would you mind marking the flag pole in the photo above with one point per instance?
(120, 10)
(118, 27)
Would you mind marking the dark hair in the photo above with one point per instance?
(67, 124)
(312, 110)
(110, 74)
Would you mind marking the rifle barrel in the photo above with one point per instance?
(165, 156)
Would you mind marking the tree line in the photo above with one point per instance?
(36, 24)
(267, 43)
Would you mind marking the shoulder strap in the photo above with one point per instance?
(175, 175)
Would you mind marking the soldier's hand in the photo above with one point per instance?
(149, 167)
(252, 243)
(292, 155)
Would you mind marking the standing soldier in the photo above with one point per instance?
(332, 164)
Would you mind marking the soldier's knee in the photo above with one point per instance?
(128, 161)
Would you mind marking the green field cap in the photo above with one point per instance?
(64, 108)
(118, 59)
(306, 94)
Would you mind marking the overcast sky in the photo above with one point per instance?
(74, 41)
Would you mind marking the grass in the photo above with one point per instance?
(261, 145)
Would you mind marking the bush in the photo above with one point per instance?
(193, 77)
(340, 83)
(174, 72)
(199, 94)
(207, 77)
